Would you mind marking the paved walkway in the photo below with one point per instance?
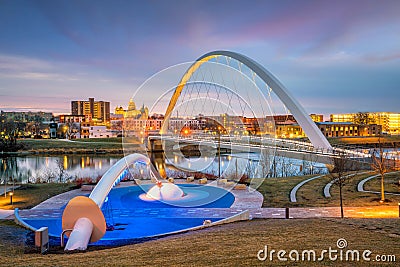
(349, 212)
(293, 192)
(6, 213)
(260, 213)
(327, 188)
(59, 201)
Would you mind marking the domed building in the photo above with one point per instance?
(133, 113)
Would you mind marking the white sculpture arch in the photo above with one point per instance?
(309, 127)
(82, 214)
(110, 178)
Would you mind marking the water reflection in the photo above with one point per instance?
(49, 168)
(234, 166)
(70, 167)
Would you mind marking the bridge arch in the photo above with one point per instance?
(309, 127)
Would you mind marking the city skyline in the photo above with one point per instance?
(334, 57)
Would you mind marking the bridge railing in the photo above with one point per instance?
(282, 144)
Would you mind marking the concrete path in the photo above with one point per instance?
(59, 201)
(349, 212)
(327, 188)
(260, 213)
(360, 186)
(297, 187)
(4, 214)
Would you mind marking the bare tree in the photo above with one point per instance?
(8, 135)
(274, 165)
(46, 175)
(339, 172)
(264, 163)
(250, 169)
(61, 171)
(283, 166)
(381, 165)
(291, 169)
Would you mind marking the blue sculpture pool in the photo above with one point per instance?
(130, 217)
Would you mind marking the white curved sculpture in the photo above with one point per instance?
(83, 216)
(309, 127)
(165, 191)
(110, 178)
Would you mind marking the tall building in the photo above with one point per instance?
(390, 121)
(98, 110)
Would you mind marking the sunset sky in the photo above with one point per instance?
(333, 56)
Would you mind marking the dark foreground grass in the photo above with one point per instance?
(235, 244)
(30, 195)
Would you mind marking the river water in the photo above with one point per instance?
(48, 168)
(34, 168)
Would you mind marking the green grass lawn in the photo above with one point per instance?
(81, 146)
(391, 183)
(100, 140)
(276, 192)
(52, 144)
(30, 195)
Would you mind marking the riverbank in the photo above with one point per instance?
(78, 146)
(115, 145)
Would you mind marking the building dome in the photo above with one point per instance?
(131, 105)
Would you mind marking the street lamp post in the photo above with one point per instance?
(11, 196)
(219, 153)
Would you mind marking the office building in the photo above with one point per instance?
(99, 110)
